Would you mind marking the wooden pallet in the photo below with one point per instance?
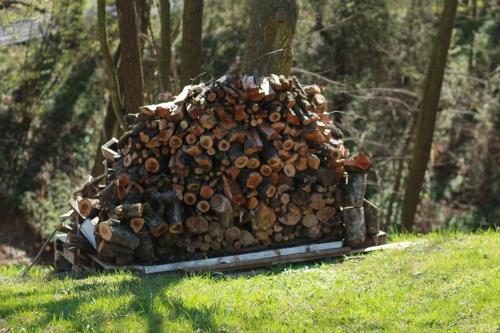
(251, 260)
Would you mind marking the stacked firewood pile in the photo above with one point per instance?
(224, 167)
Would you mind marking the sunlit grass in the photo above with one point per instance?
(445, 282)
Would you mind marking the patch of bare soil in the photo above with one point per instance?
(19, 240)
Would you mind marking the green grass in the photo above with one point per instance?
(445, 282)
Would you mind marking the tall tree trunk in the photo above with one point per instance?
(165, 53)
(401, 166)
(270, 36)
(474, 27)
(109, 66)
(131, 64)
(427, 116)
(110, 127)
(192, 19)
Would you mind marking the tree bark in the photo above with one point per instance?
(131, 63)
(192, 19)
(427, 117)
(165, 45)
(109, 66)
(270, 37)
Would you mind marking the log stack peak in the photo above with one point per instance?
(228, 166)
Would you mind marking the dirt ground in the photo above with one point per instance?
(19, 240)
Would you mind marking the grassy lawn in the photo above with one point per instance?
(447, 282)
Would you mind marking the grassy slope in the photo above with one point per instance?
(444, 283)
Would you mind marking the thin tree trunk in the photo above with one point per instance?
(395, 194)
(165, 54)
(270, 37)
(474, 22)
(131, 64)
(427, 116)
(110, 129)
(192, 19)
(109, 67)
(143, 8)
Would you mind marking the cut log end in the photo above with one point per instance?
(136, 224)
(159, 230)
(241, 162)
(152, 165)
(176, 229)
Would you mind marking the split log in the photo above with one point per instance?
(236, 155)
(155, 223)
(109, 193)
(313, 162)
(270, 155)
(223, 209)
(289, 170)
(232, 191)
(251, 179)
(268, 132)
(174, 218)
(361, 162)
(107, 250)
(115, 233)
(127, 211)
(253, 143)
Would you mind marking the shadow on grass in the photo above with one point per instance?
(145, 297)
(201, 319)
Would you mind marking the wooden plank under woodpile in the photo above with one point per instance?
(234, 166)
